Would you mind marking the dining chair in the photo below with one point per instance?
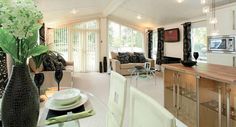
(117, 99)
(146, 112)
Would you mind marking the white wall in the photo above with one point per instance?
(174, 49)
(103, 45)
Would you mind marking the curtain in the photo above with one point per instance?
(78, 42)
(42, 34)
(3, 72)
(187, 55)
(150, 43)
(160, 46)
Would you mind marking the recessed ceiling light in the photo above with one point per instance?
(180, 1)
(73, 11)
(203, 2)
(139, 17)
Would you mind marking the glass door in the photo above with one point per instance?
(186, 99)
(170, 91)
(213, 104)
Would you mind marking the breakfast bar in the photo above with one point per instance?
(201, 96)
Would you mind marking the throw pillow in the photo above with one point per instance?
(123, 57)
(141, 57)
(48, 64)
(133, 59)
(61, 59)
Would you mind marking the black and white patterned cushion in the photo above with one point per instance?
(123, 57)
(141, 57)
(133, 59)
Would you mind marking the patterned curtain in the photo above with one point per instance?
(187, 41)
(150, 42)
(42, 34)
(3, 72)
(160, 45)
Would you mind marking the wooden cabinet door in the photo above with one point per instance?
(170, 91)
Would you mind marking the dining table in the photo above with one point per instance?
(94, 103)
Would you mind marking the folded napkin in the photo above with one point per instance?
(71, 117)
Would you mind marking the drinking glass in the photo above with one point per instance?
(58, 77)
(39, 79)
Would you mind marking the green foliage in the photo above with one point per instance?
(18, 33)
(20, 50)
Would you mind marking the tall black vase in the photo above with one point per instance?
(105, 64)
(20, 103)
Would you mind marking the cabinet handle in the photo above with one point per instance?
(234, 58)
(219, 106)
(228, 107)
(234, 20)
(174, 78)
(178, 91)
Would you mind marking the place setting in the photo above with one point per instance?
(66, 105)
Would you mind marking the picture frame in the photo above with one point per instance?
(172, 35)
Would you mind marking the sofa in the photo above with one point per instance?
(124, 68)
(49, 75)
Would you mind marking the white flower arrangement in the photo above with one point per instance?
(19, 23)
(20, 18)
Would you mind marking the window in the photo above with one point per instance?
(199, 40)
(154, 45)
(78, 42)
(122, 38)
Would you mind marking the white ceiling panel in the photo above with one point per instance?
(153, 12)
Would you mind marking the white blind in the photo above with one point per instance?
(79, 43)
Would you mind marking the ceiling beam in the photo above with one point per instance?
(112, 6)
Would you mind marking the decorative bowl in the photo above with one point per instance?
(188, 63)
(65, 97)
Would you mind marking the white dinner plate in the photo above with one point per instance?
(50, 104)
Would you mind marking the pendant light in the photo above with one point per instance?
(213, 19)
(206, 9)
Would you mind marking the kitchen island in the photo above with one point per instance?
(201, 96)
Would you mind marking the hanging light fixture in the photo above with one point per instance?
(206, 9)
(214, 32)
(213, 19)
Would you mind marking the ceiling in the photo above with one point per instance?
(153, 12)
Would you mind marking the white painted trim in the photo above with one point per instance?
(66, 23)
(126, 23)
(226, 6)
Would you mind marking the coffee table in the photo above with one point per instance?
(139, 72)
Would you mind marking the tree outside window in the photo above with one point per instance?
(124, 39)
(199, 42)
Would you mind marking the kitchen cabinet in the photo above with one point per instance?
(221, 59)
(217, 104)
(226, 18)
(201, 96)
(180, 96)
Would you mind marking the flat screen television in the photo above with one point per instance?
(172, 35)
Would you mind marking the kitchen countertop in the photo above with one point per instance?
(216, 72)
